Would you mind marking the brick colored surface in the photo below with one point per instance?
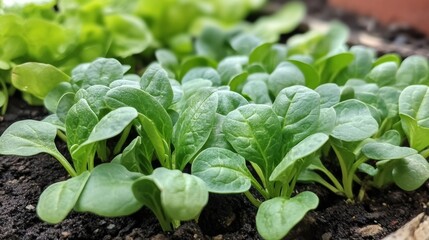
(414, 13)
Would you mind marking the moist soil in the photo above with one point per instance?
(22, 180)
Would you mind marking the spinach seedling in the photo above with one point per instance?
(263, 136)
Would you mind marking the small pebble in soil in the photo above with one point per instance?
(369, 230)
(327, 236)
(65, 234)
(111, 226)
(29, 207)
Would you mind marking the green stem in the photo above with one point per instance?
(122, 140)
(333, 179)
(425, 153)
(61, 135)
(252, 199)
(6, 95)
(70, 170)
(259, 188)
(347, 183)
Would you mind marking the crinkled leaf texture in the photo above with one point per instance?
(277, 216)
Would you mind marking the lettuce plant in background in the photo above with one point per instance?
(66, 33)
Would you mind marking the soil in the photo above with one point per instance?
(22, 179)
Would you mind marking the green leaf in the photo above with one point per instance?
(112, 124)
(56, 201)
(223, 171)
(383, 74)
(312, 77)
(254, 131)
(203, 73)
(257, 91)
(102, 71)
(277, 216)
(94, 95)
(335, 38)
(413, 70)
(331, 66)
(299, 108)
(285, 75)
(416, 134)
(244, 43)
(130, 34)
(414, 102)
(66, 102)
(411, 172)
(137, 156)
(182, 196)
(52, 99)
(37, 79)
(28, 137)
(294, 158)
(52, 48)
(330, 94)
(194, 126)
(230, 67)
(390, 57)
(79, 122)
(108, 192)
(359, 67)
(354, 121)
(386, 151)
(414, 113)
(283, 21)
(145, 104)
(155, 81)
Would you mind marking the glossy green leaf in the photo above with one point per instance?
(411, 172)
(285, 75)
(145, 104)
(312, 77)
(56, 201)
(223, 171)
(94, 95)
(137, 156)
(108, 192)
(28, 137)
(254, 131)
(79, 122)
(112, 124)
(257, 91)
(37, 78)
(230, 67)
(413, 70)
(294, 158)
(102, 71)
(203, 73)
(277, 216)
(53, 97)
(354, 121)
(329, 93)
(386, 151)
(182, 196)
(383, 74)
(194, 126)
(299, 108)
(155, 81)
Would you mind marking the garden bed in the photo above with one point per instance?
(22, 179)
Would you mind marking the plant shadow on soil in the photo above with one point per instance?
(22, 179)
